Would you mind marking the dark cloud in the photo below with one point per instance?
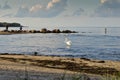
(52, 9)
(78, 12)
(109, 8)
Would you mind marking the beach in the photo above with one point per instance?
(54, 60)
(53, 67)
(60, 40)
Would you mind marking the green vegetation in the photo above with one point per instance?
(112, 77)
(88, 77)
(79, 77)
(4, 24)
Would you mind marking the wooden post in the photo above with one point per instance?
(7, 27)
(21, 28)
(105, 30)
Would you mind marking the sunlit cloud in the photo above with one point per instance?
(55, 1)
(103, 1)
(51, 3)
(36, 8)
(52, 9)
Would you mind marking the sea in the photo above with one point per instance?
(89, 42)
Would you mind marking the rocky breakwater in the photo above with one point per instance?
(43, 30)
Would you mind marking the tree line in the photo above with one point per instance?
(4, 24)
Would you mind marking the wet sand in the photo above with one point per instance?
(4, 33)
(10, 33)
(57, 65)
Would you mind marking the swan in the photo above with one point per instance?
(68, 42)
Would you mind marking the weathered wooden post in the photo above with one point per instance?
(105, 30)
(21, 28)
(6, 28)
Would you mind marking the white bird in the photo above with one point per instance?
(68, 42)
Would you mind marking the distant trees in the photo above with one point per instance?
(4, 24)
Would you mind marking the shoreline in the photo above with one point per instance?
(25, 67)
(84, 65)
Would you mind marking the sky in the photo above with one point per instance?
(61, 12)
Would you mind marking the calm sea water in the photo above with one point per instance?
(88, 43)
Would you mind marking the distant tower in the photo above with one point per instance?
(105, 30)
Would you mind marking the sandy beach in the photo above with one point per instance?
(59, 40)
(55, 67)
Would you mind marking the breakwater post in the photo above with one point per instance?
(105, 30)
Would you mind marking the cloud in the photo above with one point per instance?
(22, 12)
(6, 6)
(35, 8)
(7, 15)
(78, 12)
(52, 3)
(52, 9)
(108, 8)
(103, 1)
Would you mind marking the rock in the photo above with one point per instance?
(68, 31)
(35, 53)
(44, 30)
(12, 31)
(85, 59)
(101, 61)
(56, 31)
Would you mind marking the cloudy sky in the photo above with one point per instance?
(61, 12)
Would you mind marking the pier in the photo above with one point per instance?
(43, 30)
